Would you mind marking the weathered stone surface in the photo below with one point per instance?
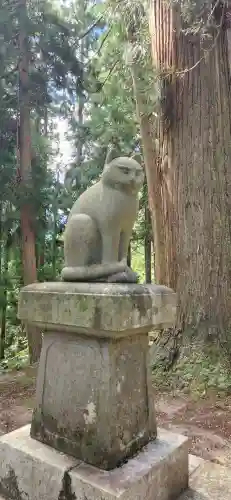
(30, 470)
(195, 495)
(94, 397)
(209, 481)
(194, 463)
(99, 226)
(158, 472)
(97, 308)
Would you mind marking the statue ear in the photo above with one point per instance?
(137, 157)
(112, 153)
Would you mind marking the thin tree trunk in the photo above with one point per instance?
(79, 156)
(81, 100)
(154, 181)
(43, 243)
(42, 254)
(54, 244)
(196, 132)
(148, 247)
(4, 298)
(153, 172)
(129, 256)
(54, 234)
(45, 131)
(2, 333)
(3, 326)
(45, 121)
(28, 236)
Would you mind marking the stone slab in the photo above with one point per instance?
(209, 481)
(97, 308)
(94, 397)
(30, 470)
(33, 471)
(194, 463)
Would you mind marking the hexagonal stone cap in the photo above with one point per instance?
(114, 310)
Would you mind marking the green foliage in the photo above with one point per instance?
(200, 370)
(78, 70)
(15, 361)
(112, 117)
(81, 55)
(138, 260)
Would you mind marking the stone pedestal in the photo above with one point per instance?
(94, 396)
(30, 470)
(94, 400)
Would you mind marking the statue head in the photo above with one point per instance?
(124, 173)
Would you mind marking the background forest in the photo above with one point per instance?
(79, 77)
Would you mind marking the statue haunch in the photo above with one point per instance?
(100, 224)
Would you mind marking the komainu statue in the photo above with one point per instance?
(99, 226)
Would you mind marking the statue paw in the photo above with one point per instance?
(127, 276)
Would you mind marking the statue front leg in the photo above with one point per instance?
(128, 276)
(110, 246)
(123, 245)
(111, 255)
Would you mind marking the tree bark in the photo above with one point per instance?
(4, 298)
(2, 333)
(154, 175)
(129, 256)
(54, 234)
(154, 180)
(27, 230)
(195, 135)
(148, 247)
(80, 94)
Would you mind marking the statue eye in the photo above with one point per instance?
(125, 170)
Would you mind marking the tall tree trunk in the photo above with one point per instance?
(45, 131)
(2, 333)
(28, 236)
(153, 172)
(81, 99)
(196, 134)
(41, 258)
(129, 256)
(79, 156)
(5, 266)
(3, 327)
(148, 247)
(54, 234)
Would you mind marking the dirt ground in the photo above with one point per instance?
(207, 422)
(16, 399)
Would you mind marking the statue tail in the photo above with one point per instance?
(94, 272)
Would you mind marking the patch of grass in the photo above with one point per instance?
(28, 403)
(17, 361)
(138, 262)
(198, 373)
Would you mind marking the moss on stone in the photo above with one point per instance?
(9, 487)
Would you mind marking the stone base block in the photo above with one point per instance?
(94, 396)
(208, 481)
(30, 470)
(89, 404)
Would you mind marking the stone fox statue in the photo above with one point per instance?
(100, 224)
